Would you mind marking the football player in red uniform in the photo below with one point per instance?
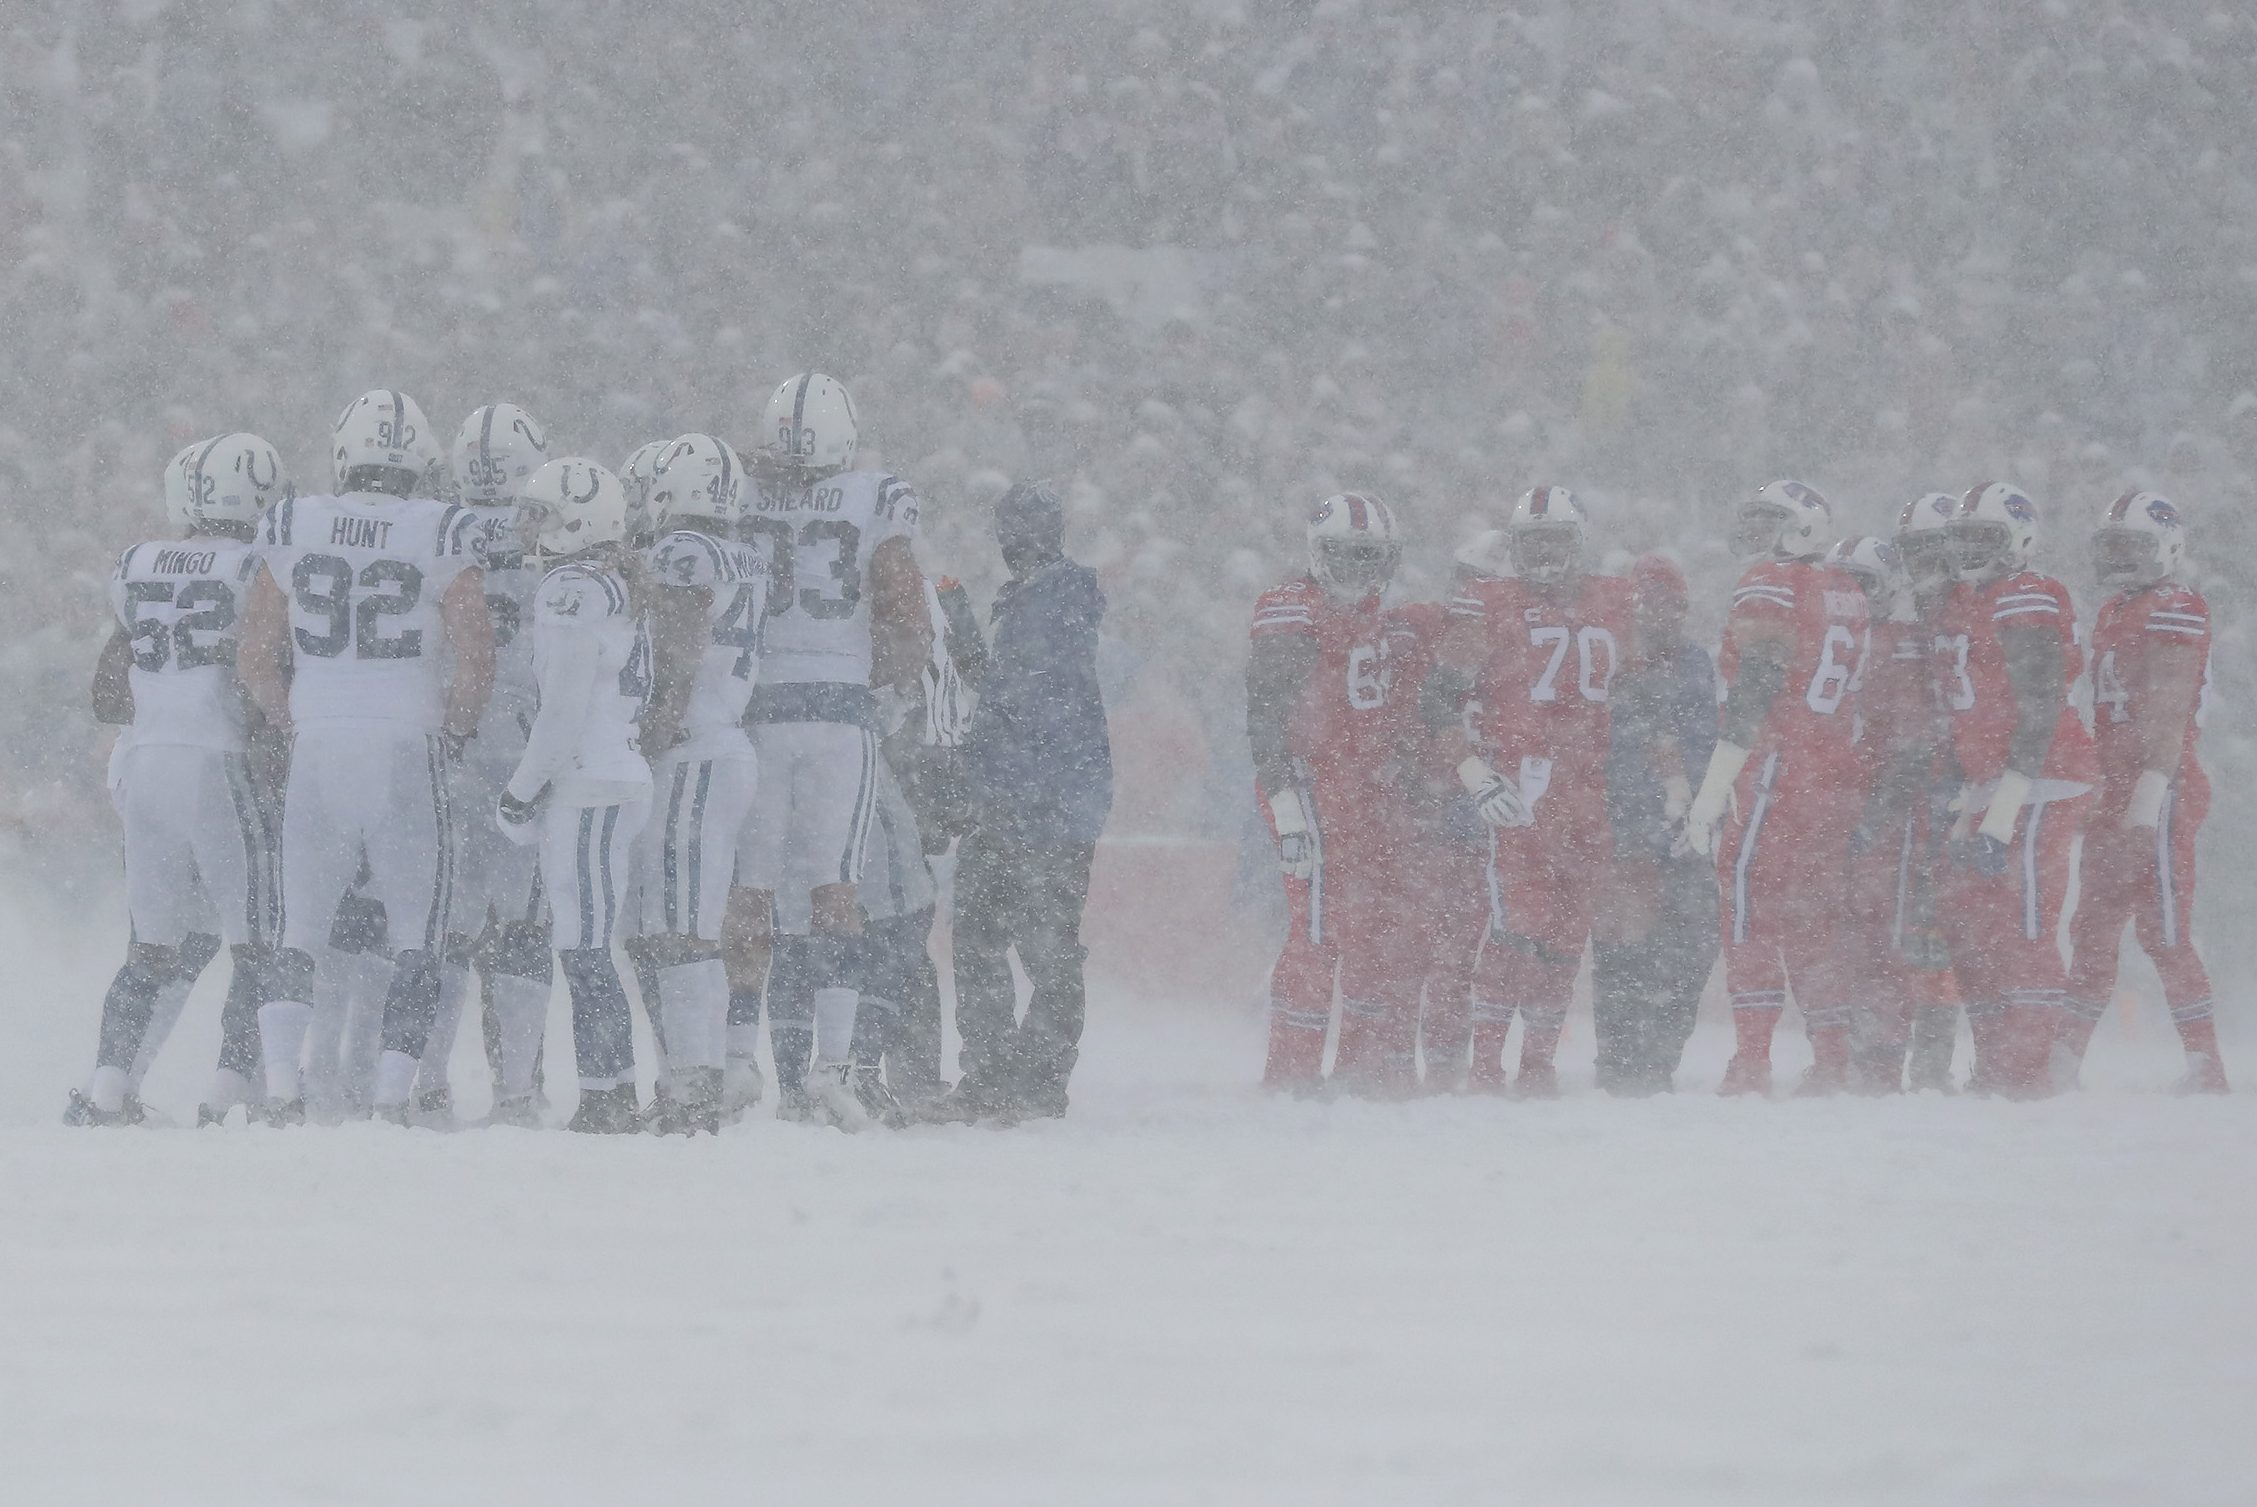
(1786, 758)
(1538, 653)
(1445, 875)
(1923, 543)
(1897, 731)
(2006, 656)
(2151, 653)
(1327, 748)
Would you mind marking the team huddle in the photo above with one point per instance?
(478, 717)
(1871, 805)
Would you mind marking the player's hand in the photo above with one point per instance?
(1296, 845)
(517, 818)
(1496, 800)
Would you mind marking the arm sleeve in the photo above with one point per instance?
(1277, 670)
(568, 662)
(1762, 671)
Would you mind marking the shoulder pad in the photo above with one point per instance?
(1289, 608)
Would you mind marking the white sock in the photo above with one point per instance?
(164, 1014)
(106, 1089)
(521, 1015)
(395, 1079)
(439, 1046)
(229, 1088)
(282, 1041)
(324, 1078)
(744, 1041)
(694, 998)
(834, 1024)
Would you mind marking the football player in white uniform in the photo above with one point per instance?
(355, 597)
(846, 613)
(196, 840)
(581, 790)
(499, 922)
(709, 591)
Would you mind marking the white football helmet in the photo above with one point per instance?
(2141, 540)
(230, 479)
(1876, 567)
(1353, 547)
(384, 428)
(635, 477)
(1784, 520)
(570, 505)
(810, 424)
(696, 476)
(1994, 532)
(497, 449)
(1544, 535)
(1924, 540)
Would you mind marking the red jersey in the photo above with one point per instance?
(1552, 654)
(1812, 723)
(1970, 671)
(2134, 627)
(1348, 726)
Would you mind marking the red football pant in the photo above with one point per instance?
(2145, 877)
(1447, 888)
(1544, 886)
(1346, 928)
(2002, 930)
(1781, 865)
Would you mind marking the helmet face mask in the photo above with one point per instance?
(2125, 557)
(1928, 561)
(1355, 568)
(1547, 553)
(1758, 529)
(1979, 548)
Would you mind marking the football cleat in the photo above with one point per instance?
(607, 1111)
(82, 1111)
(293, 1112)
(1746, 1075)
(876, 1098)
(832, 1100)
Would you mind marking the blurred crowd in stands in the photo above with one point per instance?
(1199, 261)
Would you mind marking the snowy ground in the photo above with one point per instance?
(1184, 1293)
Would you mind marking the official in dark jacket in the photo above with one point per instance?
(1039, 766)
(1652, 950)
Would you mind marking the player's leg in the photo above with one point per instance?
(1048, 1041)
(1811, 906)
(833, 806)
(586, 857)
(1751, 876)
(1301, 981)
(321, 850)
(345, 1037)
(684, 884)
(2163, 922)
(521, 971)
(791, 1017)
(749, 923)
(1685, 958)
(2116, 873)
(160, 885)
(1575, 868)
(411, 870)
(2052, 1038)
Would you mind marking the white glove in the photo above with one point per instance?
(520, 821)
(1296, 846)
(1707, 808)
(2146, 809)
(1496, 798)
(1676, 798)
(2005, 809)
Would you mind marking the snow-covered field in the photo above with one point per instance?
(1184, 1293)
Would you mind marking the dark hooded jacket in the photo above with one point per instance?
(1038, 758)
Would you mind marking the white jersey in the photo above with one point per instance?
(822, 537)
(736, 576)
(581, 624)
(182, 602)
(364, 575)
(510, 583)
